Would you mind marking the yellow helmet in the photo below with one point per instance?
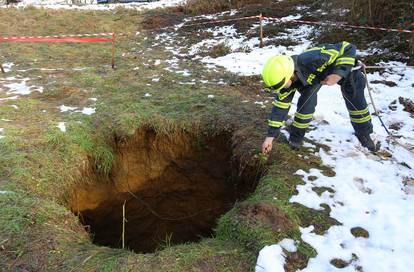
(277, 71)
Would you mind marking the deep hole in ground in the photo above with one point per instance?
(174, 189)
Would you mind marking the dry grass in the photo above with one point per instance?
(205, 7)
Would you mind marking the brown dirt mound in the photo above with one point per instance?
(268, 215)
(155, 21)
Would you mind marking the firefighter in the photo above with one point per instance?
(328, 64)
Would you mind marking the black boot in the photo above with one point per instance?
(367, 142)
(295, 144)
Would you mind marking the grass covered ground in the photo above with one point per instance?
(40, 165)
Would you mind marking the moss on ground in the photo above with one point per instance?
(39, 164)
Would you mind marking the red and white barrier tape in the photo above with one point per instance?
(35, 39)
(224, 20)
(338, 25)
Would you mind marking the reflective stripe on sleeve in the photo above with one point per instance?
(283, 95)
(311, 78)
(344, 45)
(341, 61)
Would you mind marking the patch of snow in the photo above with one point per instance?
(210, 96)
(290, 18)
(271, 259)
(184, 72)
(87, 111)
(21, 87)
(288, 245)
(9, 98)
(62, 126)
(147, 95)
(187, 83)
(7, 66)
(64, 108)
(247, 64)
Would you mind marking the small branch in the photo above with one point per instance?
(123, 225)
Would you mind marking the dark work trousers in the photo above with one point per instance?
(304, 113)
(352, 89)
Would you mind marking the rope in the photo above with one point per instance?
(224, 20)
(372, 98)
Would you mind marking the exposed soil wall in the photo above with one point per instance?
(174, 189)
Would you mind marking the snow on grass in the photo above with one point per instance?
(18, 86)
(87, 111)
(92, 5)
(61, 126)
(251, 63)
(7, 66)
(64, 108)
(6, 192)
(184, 72)
(9, 98)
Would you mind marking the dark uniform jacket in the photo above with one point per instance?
(313, 66)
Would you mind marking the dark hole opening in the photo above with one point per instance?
(174, 190)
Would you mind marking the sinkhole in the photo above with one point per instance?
(162, 190)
